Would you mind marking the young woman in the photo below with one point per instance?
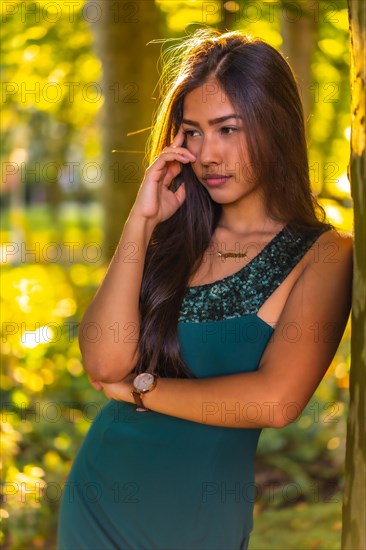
(224, 267)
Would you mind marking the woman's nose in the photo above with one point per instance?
(210, 150)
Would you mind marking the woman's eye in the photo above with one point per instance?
(189, 132)
(224, 130)
(228, 129)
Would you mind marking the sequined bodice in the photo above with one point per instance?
(244, 292)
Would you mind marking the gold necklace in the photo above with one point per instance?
(225, 255)
(231, 255)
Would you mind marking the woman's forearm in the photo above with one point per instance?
(244, 400)
(110, 328)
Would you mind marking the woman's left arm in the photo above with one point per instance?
(294, 362)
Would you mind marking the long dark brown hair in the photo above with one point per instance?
(261, 86)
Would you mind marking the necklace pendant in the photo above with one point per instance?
(231, 255)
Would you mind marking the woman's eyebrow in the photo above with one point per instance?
(212, 121)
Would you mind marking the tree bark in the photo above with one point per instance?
(299, 35)
(228, 18)
(354, 501)
(121, 33)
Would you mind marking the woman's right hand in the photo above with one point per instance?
(154, 200)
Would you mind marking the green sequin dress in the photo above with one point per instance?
(149, 481)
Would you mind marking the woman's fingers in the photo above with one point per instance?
(180, 154)
(181, 193)
(154, 199)
(176, 148)
(97, 385)
(168, 165)
(179, 138)
(171, 172)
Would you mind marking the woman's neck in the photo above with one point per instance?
(251, 217)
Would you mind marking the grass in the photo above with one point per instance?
(301, 527)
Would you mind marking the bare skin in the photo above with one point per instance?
(317, 292)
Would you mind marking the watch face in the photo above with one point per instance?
(143, 381)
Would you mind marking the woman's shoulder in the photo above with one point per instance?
(332, 251)
(338, 235)
(340, 241)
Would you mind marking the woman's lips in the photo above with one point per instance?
(215, 180)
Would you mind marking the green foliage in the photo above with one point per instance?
(47, 400)
(51, 95)
(331, 119)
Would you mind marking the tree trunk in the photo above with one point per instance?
(121, 31)
(354, 502)
(228, 18)
(299, 35)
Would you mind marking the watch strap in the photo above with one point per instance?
(137, 397)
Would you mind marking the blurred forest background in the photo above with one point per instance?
(65, 197)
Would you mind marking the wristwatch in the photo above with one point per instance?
(142, 384)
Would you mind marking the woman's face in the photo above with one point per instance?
(215, 134)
